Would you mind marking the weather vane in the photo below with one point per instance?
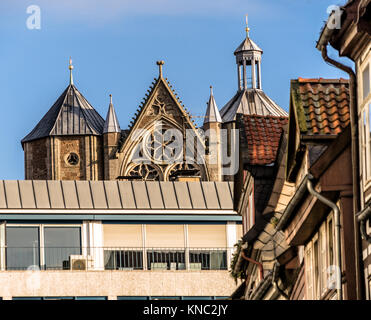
(247, 27)
(71, 68)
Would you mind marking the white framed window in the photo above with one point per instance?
(365, 122)
(319, 255)
(366, 82)
(323, 258)
(251, 209)
(365, 142)
(309, 271)
(249, 212)
(316, 268)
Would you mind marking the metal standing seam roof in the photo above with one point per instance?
(247, 45)
(212, 111)
(251, 102)
(71, 114)
(321, 105)
(111, 124)
(116, 195)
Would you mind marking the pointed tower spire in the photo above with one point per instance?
(212, 111)
(111, 124)
(71, 68)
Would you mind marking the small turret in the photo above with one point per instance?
(212, 111)
(111, 137)
(212, 126)
(111, 124)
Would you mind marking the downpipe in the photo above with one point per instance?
(355, 155)
(362, 218)
(335, 208)
(260, 265)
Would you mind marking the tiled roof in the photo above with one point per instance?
(263, 134)
(321, 105)
(71, 114)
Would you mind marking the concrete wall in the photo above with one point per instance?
(115, 283)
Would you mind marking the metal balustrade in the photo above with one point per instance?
(113, 258)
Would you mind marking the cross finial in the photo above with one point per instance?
(71, 68)
(110, 98)
(160, 64)
(211, 90)
(247, 27)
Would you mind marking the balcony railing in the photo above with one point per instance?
(114, 258)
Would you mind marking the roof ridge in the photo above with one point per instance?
(60, 109)
(322, 80)
(90, 121)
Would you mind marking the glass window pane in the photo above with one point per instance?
(166, 260)
(27, 298)
(132, 298)
(197, 298)
(60, 243)
(22, 247)
(58, 298)
(164, 298)
(91, 298)
(208, 260)
(366, 82)
(123, 260)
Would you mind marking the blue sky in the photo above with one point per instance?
(114, 45)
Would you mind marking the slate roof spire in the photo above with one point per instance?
(111, 124)
(212, 111)
(71, 114)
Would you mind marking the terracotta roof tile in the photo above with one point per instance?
(263, 134)
(321, 105)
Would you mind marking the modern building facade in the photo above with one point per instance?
(116, 238)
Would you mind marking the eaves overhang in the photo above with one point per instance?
(292, 205)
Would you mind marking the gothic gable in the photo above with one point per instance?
(161, 113)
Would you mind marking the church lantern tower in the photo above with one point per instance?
(248, 59)
(250, 98)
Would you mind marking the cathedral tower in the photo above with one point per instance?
(67, 142)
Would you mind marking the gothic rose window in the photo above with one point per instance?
(163, 145)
